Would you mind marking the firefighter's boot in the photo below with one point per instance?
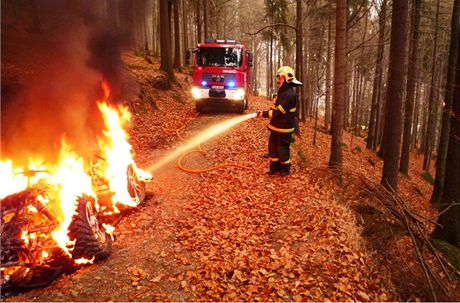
(274, 167)
(285, 170)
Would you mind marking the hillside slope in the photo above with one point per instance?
(235, 234)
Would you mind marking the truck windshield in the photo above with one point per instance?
(219, 56)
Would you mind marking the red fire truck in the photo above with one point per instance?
(221, 74)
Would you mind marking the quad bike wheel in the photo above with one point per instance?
(136, 187)
(90, 240)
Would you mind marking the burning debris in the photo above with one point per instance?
(58, 200)
(55, 217)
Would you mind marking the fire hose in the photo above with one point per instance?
(199, 150)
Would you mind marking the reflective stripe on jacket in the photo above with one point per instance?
(282, 115)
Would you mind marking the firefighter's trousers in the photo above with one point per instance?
(279, 151)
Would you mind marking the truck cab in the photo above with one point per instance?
(221, 74)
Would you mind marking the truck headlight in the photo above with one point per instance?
(239, 94)
(196, 93)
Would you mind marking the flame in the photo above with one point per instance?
(15, 179)
(118, 152)
(70, 177)
(25, 237)
(109, 229)
(11, 179)
(84, 261)
(72, 181)
(32, 209)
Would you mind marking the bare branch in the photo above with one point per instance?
(272, 25)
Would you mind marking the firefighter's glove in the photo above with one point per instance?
(260, 114)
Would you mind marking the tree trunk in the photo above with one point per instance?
(354, 83)
(327, 105)
(306, 70)
(415, 131)
(447, 111)
(177, 53)
(198, 21)
(184, 25)
(205, 19)
(165, 35)
(432, 107)
(411, 77)
(146, 36)
(171, 26)
(363, 104)
(267, 69)
(358, 99)
(346, 112)
(298, 55)
(156, 31)
(381, 120)
(340, 68)
(270, 79)
(192, 24)
(394, 94)
(373, 125)
(450, 218)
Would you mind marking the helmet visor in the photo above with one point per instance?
(296, 82)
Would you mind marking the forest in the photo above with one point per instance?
(374, 192)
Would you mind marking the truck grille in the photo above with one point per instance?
(217, 93)
(218, 78)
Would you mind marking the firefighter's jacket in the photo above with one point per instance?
(282, 115)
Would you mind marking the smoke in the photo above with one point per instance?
(54, 56)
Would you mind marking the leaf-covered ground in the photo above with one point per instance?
(238, 234)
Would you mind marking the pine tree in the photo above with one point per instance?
(340, 68)
(393, 113)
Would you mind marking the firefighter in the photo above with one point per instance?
(282, 122)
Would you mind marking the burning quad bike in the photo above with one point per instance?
(30, 255)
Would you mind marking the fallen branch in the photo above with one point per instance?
(415, 228)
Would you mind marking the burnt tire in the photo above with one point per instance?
(136, 187)
(90, 240)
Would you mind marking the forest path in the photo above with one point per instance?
(231, 234)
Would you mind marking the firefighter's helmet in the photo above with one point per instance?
(288, 74)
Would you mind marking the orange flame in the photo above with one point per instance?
(11, 179)
(117, 151)
(45, 254)
(14, 179)
(69, 178)
(72, 181)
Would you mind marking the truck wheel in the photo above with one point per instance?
(247, 103)
(199, 107)
(242, 107)
(90, 240)
(136, 187)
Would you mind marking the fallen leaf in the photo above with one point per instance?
(363, 296)
(158, 278)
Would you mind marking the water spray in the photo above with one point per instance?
(202, 137)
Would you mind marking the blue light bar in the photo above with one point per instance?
(231, 84)
(204, 83)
